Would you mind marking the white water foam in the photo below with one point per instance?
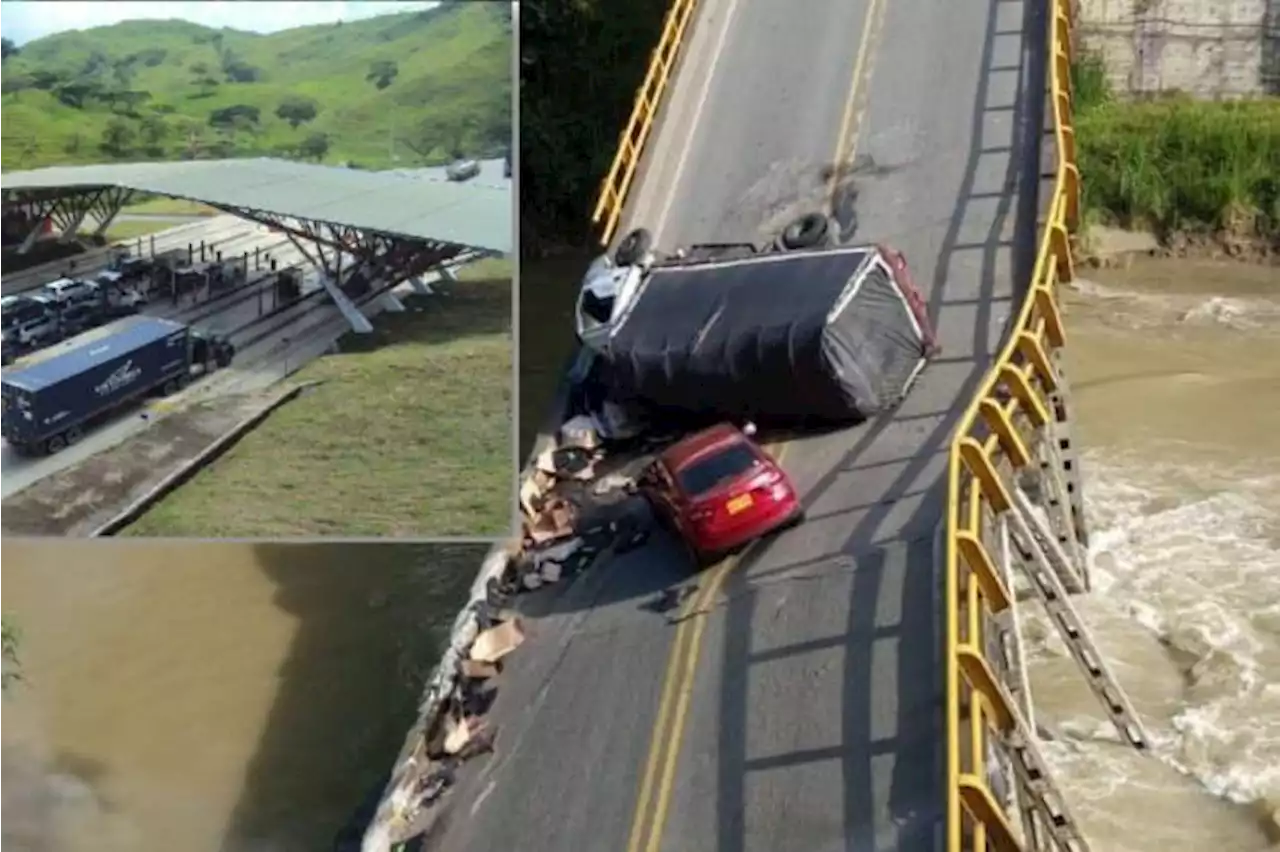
(1184, 555)
(1147, 309)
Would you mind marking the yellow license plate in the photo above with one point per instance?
(739, 504)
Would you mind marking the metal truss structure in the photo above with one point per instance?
(351, 262)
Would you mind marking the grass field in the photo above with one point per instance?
(170, 207)
(410, 434)
(162, 81)
(133, 228)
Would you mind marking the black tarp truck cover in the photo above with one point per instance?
(806, 336)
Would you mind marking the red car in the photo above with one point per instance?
(719, 490)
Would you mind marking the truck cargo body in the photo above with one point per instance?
(55, 392)
(813, 336)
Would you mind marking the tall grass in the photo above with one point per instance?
(1176, 164)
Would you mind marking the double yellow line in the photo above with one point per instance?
(677, 687)
(854, 107)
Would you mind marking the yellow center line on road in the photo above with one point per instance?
(660, 724)
(694, 605)
(682, 666)
(851, 122)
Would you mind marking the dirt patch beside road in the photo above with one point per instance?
(78, 500)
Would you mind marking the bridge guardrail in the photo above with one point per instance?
(617, 183)
(1013, 399)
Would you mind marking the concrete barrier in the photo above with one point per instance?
(189, 469)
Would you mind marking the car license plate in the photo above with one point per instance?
(739, 504)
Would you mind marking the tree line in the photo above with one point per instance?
(139, 125)
(581, 64)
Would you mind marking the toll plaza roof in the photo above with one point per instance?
(477, 215)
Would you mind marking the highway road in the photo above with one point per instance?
(795, 702)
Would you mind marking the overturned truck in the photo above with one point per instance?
(823, 334)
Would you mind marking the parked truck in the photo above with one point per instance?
(52, 396)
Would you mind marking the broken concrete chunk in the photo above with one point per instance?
(478, 669)
(546, 461)
(532, 580)
(497, 592)
(458, 732)
(469, 737)
(435, 783)
(496, 642)
(533, 491)
(555, 521)
(556, 552)
(476, 697)
(550, 571)
(579, 431)
(481, 741)
(574, 463)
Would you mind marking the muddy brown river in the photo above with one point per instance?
(213, 697)
(1175, 370)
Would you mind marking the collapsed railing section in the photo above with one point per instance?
(617, 183)
(990, 735)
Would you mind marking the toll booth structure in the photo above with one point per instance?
(363, 233)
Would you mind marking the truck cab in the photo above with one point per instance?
(209, 351)
(602, 300)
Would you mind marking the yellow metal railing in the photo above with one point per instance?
(613, 192)
(991, 436)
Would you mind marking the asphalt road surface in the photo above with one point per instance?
(801, 706)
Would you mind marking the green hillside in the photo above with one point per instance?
(427, 86)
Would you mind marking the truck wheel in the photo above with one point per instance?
(55, 444)
(633, 248)
(812, 230)
(72, 435)
(169, 388)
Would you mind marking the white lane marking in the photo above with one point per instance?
(660, 222)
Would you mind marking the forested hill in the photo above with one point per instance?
(417, 88)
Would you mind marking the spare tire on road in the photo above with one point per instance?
(813, 230)
(633, 247)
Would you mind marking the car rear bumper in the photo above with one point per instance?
(729, 540)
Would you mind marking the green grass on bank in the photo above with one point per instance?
(132, 228)
(1177, 164)
(170, 207)
(410, 435)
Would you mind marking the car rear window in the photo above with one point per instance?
(708, 472)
